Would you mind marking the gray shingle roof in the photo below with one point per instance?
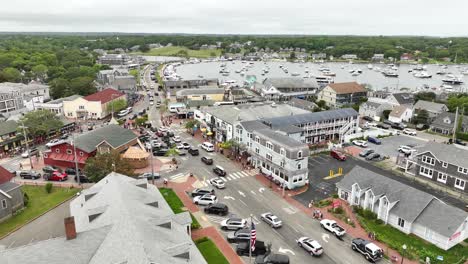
(279, 138)
(200, 91)
(412, 205)
(8, 127)
(8, 186)
(439, 121)
(430, 106)
(290, 82)
(253, 125)
(301, 103)
(60, 100)
(448, 153)
(310, 117)
(404, 98)
(112, 134)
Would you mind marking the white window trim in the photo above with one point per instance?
(269, 155)
(459, 186)
(441, 175)
(269, 145)
(428, 160)
(444, 164)
(6, 204)
(401, 221)
(462, 170)
(421, 172)
(282, 151)
(299, 155)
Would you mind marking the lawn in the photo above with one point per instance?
(39, 202)
(176, 204)
(182, 52)
(210, 251)
(417, 247)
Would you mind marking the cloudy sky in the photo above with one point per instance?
(330, 17)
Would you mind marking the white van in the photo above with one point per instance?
(123, 113)
(207, 146)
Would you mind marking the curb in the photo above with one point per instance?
(31, 220)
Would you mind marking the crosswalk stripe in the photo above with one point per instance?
(229, 178)
(178, 175)
(224, 179)
(235, 175)
(243, 173)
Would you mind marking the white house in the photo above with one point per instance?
(405, 208)
(94, 106)
(400, 114)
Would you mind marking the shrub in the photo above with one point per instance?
(25, 199)
(201, 240)
(48, 187)
(379, 221)
(368, 214)
(324, 203)
(339, 210)
(335, 195)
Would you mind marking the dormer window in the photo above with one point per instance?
(269, 145)
(299, 154)
(282, 151)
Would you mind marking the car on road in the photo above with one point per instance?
(374, 157)
(49, 169)
(233, 224)
(218, 170)
(83, 179)
(239, 235)
(193, 151)
(410, 132)
(218, 183)
(186, 145)
(207, 160)
(272, 258)
(366, 152)
(337, 155)
(206, 199)
(242, 249)
(180, 146)
(333, 227)
(181, 152)
(176, 139)
(374, 140)
(371, 251)
(32, 151)
(149, 176)
(207, 146)
(54, 142)
(360, 143)
(398, 126)
(55, 176)
(217, 208)
(123, 113)
(201, 192)
(271, 220)
(160, 152)
(33, 175)
(311, 246)
(405, 149)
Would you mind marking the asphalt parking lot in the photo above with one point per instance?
(389, 146)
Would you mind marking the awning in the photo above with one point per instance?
(67, 158)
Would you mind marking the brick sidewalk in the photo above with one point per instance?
(354, 232)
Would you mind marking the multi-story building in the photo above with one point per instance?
(94, 106)
(283, 89)
(114, 59)
(441, 163)
(9, 136)
(118, 78)
(55, 106)
(320, 126)
(445, 124)
(405, 208)
(340, 94)
(14, 96)
(280, 154)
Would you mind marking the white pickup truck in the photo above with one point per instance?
(332, 227)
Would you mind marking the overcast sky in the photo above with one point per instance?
(329, 17)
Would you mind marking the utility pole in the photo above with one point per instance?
(152, 167)
(27, 145)
(455, 126)
(77, 172)
(284, 176)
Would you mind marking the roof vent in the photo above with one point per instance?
(167, 225)
(89, 196)
(143, 185)
(154, 204)
(185, 255)
(93, 216)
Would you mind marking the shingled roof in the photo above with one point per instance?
(114, 135)
(347, 87)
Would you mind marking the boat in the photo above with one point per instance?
(452, 79)
(323, 68)
(242, 73)
(281, 65)
(200, 76)
(324, 80)
(422, 74)
(237, 71)
(446, 86)
(225, 74)
(465, 71)
(328, 73)
(441, 72)
(390, 73)
(355, 73)
(295, 74)
(370, 67)
(395, 68)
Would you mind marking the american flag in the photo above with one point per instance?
(253, 236)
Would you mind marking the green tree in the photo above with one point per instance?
(422, 117)
(40, 71)
(116, 105)
(60, 87)
(386, 113)
(454, 101)
(102, 164)
(82, 86)
(144, 48)
(321, 103)
(40, 122)
(292, 56)
(10, 75)
(191, 123)
(426, 96)
(172, 152)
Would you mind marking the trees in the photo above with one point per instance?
(386, 113)
(102, 164)
(116, 105)
(10, 75)
(426, 96)
(454, 101)
(144, 48)
(39, 71)
(41, 122)
(422, 117)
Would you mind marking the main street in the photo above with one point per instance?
(245, 196)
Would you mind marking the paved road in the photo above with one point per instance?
(45, 227)
(245, 196)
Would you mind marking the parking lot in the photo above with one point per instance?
(389, 146)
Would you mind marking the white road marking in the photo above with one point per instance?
(241, 193)
(285, 250)
(224, 179)
(261, 190)
(325, 237)
(253, 192)
(243, 202)
(229, 198)
(229, 178)
(294, 229)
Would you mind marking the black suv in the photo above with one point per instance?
(201, 192)
(217, 208)
(72, 171)
(160, 152)
(193, 151)
(30, 175)
(272, 259)
(50, 169)
(207, 161)
(242, 249)
(219, 171)
(83, 179)
(384, 126)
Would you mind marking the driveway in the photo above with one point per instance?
(48, 226)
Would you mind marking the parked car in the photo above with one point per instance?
(33, 175)
(338, 155)
(311, 246)
(233, 224)
(459, 142)
(179, 146)
(374, 157)
(239, 235)
(201, 192)
(206, 199)
(193, 151)
(49, 169)
(207, 160)
(218, 170)
(272, 258)
(56, 176)
(32, 151)
(410, 132)
(123, 113)
(360, 143)
(83, 179)
(242, 249)
(176, 139)
(388, 122)
(374, 140)
(398, 126)
(54, 142)
(217, 208)
(271, 220)
(186, 145)
(72, 171)
(333, 227)
(160, 152)
(371, 251)
(149, 176)
(207, 146)
(368, 118)
(218, 183)
(383, 126)
(406, 149)
(366, 152)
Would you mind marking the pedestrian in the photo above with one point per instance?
(21, 166)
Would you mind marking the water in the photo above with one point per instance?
(375, 79)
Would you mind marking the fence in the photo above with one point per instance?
(55, 184)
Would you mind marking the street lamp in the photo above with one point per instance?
(404, 252)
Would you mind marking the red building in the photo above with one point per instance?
(105, 139)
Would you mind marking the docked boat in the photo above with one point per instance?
(200, 76)
(242, 73)
(452, 79)
(324, 80)
(237, 71)
(323, 68)
(329, 73)
(295, 74)
(355, 73)
(422, 74)
(441, 72)
(390, 73)
(370, 66)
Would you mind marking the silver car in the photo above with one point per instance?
(233, 224)
(218, 183)
(271, 219)
(310, 245)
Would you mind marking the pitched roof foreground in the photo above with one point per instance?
(118, 220)
(114, 135)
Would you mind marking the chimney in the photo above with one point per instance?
(70, 230)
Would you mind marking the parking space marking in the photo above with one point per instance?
(243, 202)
